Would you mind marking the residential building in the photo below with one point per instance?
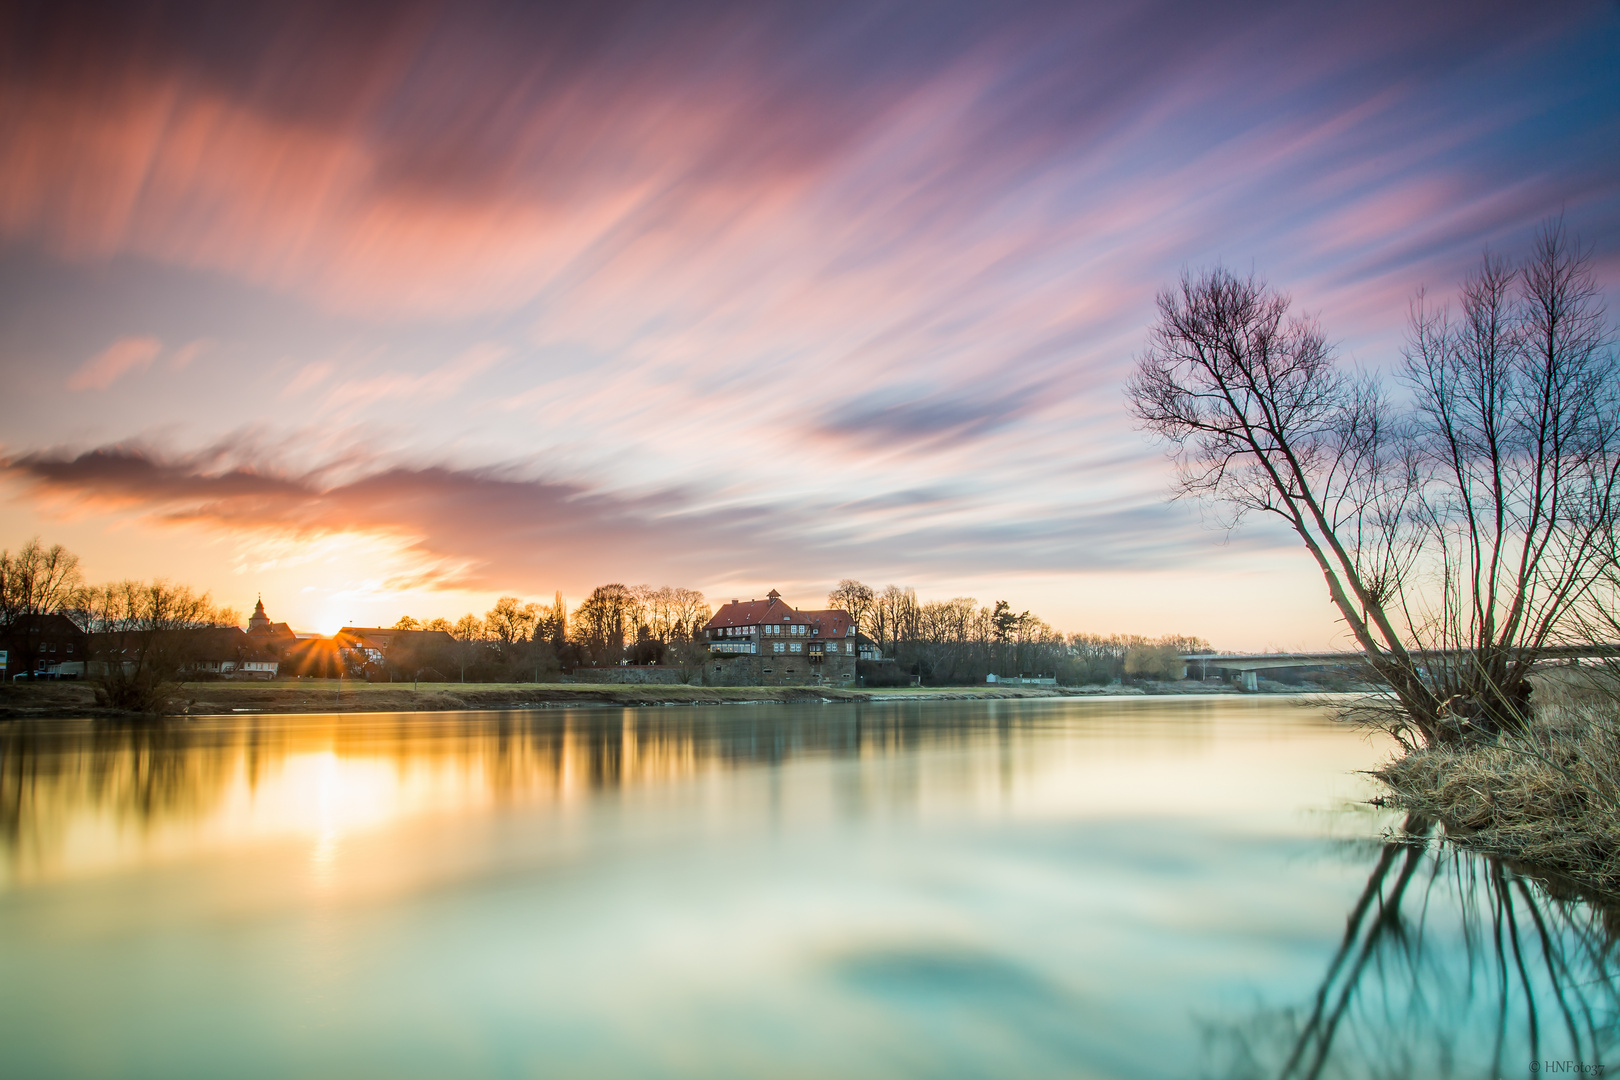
(44, 646)
(228, 653)
(374, 646)
(770, 643)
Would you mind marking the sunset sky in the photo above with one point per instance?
(380, 308)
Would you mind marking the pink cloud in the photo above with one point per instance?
(117, 360)
(182, 357)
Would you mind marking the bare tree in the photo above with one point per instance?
(1455, 541)
(511, 621)
(857, 599)
(38, 580)
(1520, 450)
(605, 622)
(141, 638)
(689, 610)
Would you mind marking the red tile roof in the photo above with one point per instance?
(831, 623)
(826, 624)
(753, 612)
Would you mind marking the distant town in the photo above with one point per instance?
(55, 626)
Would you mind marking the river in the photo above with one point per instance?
(1147, 887)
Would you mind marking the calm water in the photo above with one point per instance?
(1131, 888)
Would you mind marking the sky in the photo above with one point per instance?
(377, 309)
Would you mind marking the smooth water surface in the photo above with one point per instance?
(1129, 887)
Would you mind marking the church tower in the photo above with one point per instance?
(260, 622)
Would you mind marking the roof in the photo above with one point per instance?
(829, 623)
(826, 623)
(42, 623)
(754, 612)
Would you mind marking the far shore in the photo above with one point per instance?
(48, 700)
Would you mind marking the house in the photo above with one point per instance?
(374, 646)
(229, 653)
(770, 643)
(41, 645)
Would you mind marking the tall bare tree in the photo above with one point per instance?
(1519, 434)
(1456, 540)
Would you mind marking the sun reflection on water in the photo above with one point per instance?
(79, 798)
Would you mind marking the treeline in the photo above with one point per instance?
(958, 641)
(520, 641)
(145, 631)
(148, 627)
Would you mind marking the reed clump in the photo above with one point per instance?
(1547, 795)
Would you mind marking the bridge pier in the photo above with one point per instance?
(1251, 681)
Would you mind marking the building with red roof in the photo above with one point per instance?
(771, 643)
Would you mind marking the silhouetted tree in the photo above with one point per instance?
(142, 634)
(1455, 539)
(38, 580)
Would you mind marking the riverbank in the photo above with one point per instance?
(76, 699)
(1548, 798)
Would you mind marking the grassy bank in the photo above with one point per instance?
(64, 699)
(77, 699)
(1548, 798)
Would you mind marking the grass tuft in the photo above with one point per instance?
(1548, 797)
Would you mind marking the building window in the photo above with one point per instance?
(778, 646)
(798, 647)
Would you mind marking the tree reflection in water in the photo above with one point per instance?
(1451, 964)
(134, 780)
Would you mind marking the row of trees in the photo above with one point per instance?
(957, 641)
(1463, 513)
(518, 640)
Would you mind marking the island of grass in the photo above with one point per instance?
(1546, 797)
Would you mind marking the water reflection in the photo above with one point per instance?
(1451, 964)
(81, 795)
(1127, 888)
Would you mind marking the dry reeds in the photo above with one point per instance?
(1548, 796)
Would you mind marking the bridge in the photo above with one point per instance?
(1249, 665)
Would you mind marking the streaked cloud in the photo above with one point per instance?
(797, 288)
(503, 527)
(122, 357)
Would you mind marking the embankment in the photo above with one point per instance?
(1547, 799)
(75, 699)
